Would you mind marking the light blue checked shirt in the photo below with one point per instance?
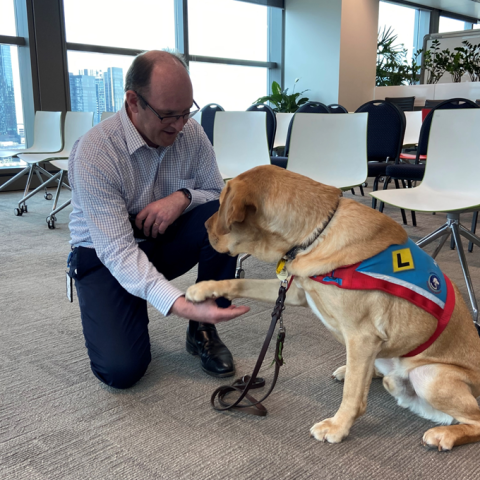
(114, 173)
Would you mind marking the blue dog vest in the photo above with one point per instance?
(405, 271)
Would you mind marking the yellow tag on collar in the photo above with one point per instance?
(281, 271)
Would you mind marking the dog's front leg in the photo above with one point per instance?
(263, 290)
(361, 354)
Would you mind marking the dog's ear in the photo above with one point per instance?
(234, 206)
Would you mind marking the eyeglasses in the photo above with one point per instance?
(169, 119)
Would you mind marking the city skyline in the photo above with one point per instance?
(96, 91)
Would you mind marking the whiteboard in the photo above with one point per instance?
(449, 40)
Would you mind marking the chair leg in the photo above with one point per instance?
(463, 262)
(473, 229)
(385, 186)
(374, 189)
(353, 191)
(431, 237)
(239, 271)
(361, 190)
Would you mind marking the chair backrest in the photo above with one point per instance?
(76, 125)
(413, 127)
(106, 115)
(240, 142)
(452, 104)
(386, 129)
(336, 108)
(453, 151)
(283, 121)
(47, 132)
(331, 149)
(309, 107)
(313, 107)
(432, 103)
(403, 103)
(207, 119)
(271, 122)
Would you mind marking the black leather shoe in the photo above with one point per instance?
(203, 340)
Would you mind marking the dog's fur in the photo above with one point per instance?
(265, 212)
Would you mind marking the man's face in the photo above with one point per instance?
(170, 93)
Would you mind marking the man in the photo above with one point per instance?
(148, 160)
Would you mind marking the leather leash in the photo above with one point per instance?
(249, 382)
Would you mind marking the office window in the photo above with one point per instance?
(97, 79)
(402, 20)
(12, 132)
(7, 18)
(143, 24)
(234, 30)
(447, 24)
(231, 86)
(96, 82)
(228, 29)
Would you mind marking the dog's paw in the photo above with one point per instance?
(439, 438)
(328, 431)
(202, 291)
(339, 373)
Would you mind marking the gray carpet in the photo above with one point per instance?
(57, 421)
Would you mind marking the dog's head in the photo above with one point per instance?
(268, 210)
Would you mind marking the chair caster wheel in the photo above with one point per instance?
(51, 222)
(18, 212)
(240, 273)
(48, 196)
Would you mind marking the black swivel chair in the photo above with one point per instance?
(403, 103)
(208, 118)
(414, 172)
(309, 107)
(385, 132)
(433, 103)
(336, 108)
(271, 122)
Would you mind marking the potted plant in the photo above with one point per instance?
(282, 101)
(393, 67)
(455, 63)
(435, 62)
(472, 60)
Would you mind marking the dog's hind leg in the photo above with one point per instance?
(448, 389)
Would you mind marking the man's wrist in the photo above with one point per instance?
(187, 194)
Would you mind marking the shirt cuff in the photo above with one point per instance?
(163, 296)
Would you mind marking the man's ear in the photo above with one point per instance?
(132, 100)
(233, 209)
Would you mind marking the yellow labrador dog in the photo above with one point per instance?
(269, 212)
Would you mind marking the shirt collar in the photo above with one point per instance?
(132, 136)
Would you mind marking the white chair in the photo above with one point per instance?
(450, 184)
(331, 149)
(76, 125)
(47, 138)
(240, 142)
(283, 121)
(412, 130)
(106, 115)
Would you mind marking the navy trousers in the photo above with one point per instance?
(115, 323)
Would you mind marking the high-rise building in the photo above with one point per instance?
(83, 93)
(8, 115)
(113, 79)
(100, 86)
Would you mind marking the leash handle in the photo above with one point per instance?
(249, 382)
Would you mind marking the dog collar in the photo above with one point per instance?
(293, 252)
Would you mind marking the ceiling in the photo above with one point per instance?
(470, 8)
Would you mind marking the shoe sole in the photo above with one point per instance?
(191, 350)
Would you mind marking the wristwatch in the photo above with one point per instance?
(186, 192)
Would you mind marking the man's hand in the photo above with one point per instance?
(207, 311)
(156, 217)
